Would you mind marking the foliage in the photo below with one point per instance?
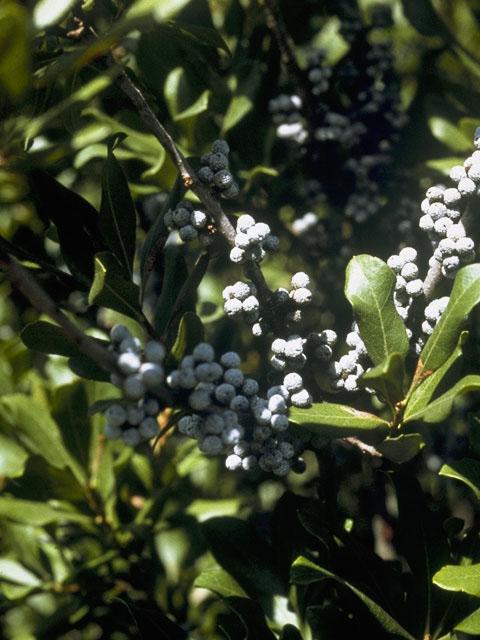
(338, 117)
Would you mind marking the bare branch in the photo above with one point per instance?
(40, 300)
(366, 449)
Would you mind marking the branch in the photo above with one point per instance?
(40, 300)
(366, 449)
(190, 179)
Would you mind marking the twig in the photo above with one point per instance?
(190, 179)
(187, 174)
(40, 300)
(366, 449)
(284, 41)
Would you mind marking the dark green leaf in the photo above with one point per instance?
(289, 632)
(422, 394)
(112, 289)
(152, 248)
(48, 338)
(246, 556)
(117, 213)
(465, 578)
(440, 408)
(338, 421)
(70, 410)
(76, 221)
(304, 571)
(174, 278)
(422, 542)
(252, 618)
(369, 288)
(402, 448)
(422, 16)
(190, 333)
(87, 368)
(464, 296)
(467, 471)
(387, 378)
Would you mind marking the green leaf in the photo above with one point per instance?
(76, 221)
(338, 421)
(111, 288)
(238, 108)
(304, 571)
(369, 288)
(33, 427)
(199, 106)
(190, 333)
(13, 571)
(13, 458)
(440, 408)
(470, 624)
(220, 582)
(38, 513)
(450, 135)
(459, 578)
(47, 337)
(48, 12)
(159, 11)
(403, 448)
(117, 213)
(464, 296)
(387, 378)
(422, 394)
(15, 49)
(467, 471)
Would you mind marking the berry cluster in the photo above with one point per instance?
(433, 312)
(140, 377)
(345, 372)
(227, 416)
(252, 240)
(318, 72)
(191, 223)
(408, 285)
(286, 115)
(351, 115)
(240, 299)
(215, 173)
